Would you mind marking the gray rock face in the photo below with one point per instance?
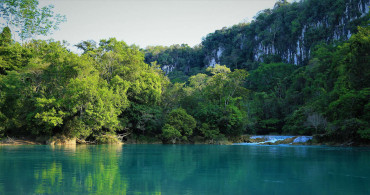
(299, 51)
(302, 139)
(253, 46)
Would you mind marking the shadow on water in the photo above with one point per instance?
(183, 169)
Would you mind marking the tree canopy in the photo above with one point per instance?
(27, 19)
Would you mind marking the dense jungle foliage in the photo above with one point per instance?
(114, 88)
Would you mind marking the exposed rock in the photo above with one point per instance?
(61, 140)
(212, 62)
(302, 139)
(167, 68)
(285, 141)
(18, 141)
(299, 51)
(277, 139)
(257, 140)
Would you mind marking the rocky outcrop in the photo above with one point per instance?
(215, 57)
(287, 33)
(277, 139)
(61, 140)
(298, 51)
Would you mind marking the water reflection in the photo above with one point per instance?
(189, 169)
(61, 169)
(67, 148)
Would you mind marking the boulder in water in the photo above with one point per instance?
(302, 139)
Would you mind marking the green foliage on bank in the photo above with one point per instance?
(53, 91)
(47, 90)
(328, 96)
(114, 88)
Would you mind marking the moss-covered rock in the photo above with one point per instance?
(257, 140)
(285, 141)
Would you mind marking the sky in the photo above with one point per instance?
(150, 22)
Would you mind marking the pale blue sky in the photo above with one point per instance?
(150, 22)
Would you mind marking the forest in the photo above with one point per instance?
(171, 95)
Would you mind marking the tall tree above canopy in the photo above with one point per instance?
(5, 37)
(27, 19)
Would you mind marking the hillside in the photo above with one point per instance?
(287, 33)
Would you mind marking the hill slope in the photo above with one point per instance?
(287, 33)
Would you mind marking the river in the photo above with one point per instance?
(184, 169)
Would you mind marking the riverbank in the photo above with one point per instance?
(244, 139)
(55, 140)
(19, 141)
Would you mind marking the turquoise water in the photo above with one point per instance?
(184, 169)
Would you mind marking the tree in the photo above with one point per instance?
(86, 46)
(355, 66)
(218, 69)
(6, 37)
(27, 19)
(180, 121)
(210, 133)
(316, 120)
(170, 133)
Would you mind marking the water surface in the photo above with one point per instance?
(184, 169)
